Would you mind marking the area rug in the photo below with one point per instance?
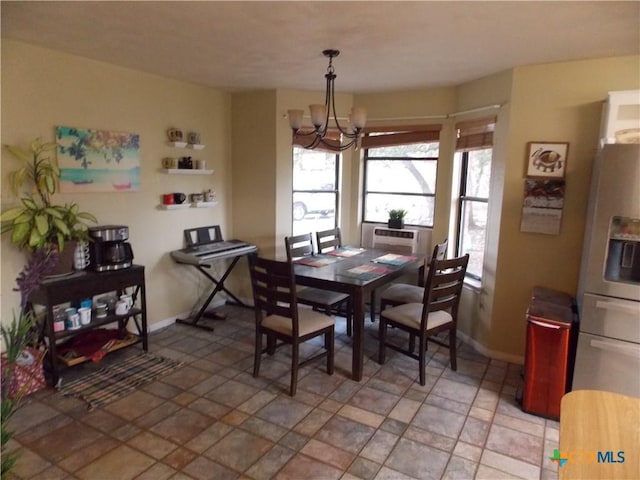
(119, 379)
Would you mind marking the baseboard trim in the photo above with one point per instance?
(167, 322)
(481, 349)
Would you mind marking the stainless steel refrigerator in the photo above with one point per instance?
(608, 354)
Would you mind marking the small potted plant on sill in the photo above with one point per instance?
(396, 218)
(37, 223)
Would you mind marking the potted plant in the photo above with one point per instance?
(37, 223)
(396, 218)
(21, 361)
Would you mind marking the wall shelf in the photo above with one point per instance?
(175, 206)
(186, 171)
(184, 206)
(192, 146)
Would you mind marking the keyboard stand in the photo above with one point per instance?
(219, 286)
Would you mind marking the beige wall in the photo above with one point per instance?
(248, 145)
(477, 305)
(555, 102)
(43, 88)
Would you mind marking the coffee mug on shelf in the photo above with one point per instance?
(167, 199)
(199, 165)
(170, 163)
(121, 307)
(196, 197)
(81, 256)
(128, 299)
(73, 321)
(174, 134)
(101, 310)
(209, 196)
(85, 316)
(179, 197)
(185, 163)
(193, 138)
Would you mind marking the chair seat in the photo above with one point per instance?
(403, 293)
(409, 314)
(319, 297)
(309, 321)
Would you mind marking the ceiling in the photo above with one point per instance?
(385, 46)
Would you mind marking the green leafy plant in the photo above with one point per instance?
(17, 336)
(37, 223)
(397, 214)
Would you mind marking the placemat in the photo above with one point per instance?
(346, 252)
(317, 261)
(367, 272)
(395, 259)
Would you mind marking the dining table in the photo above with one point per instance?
(357, 272)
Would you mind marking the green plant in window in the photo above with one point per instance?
(397, 214)
(396, 218)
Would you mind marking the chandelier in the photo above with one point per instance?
(320, 118)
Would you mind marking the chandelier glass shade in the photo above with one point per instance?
(341, 138)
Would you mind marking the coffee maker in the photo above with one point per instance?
(109, 249)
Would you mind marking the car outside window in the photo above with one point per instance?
(315, 190)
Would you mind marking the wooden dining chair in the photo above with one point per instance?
(278, 317)
(437, 312)
(301, 246)
(399, 293)
(328, 240)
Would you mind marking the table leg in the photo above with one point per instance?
(358, 335)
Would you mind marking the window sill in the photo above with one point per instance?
(472, 284)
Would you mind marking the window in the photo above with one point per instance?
(400, 173)
(315, 190)
(473, 158)
(472, 207)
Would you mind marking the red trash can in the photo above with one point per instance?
(547, 364)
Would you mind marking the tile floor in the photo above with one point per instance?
(210, 419)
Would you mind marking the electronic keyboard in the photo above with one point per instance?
(205, 253)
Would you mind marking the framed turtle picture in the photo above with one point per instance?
(546, 159)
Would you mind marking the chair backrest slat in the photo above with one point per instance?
(444, 285)
(440, 252)
(274, 289)
(328, 240)
(299, 246)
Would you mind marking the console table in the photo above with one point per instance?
(87, 284)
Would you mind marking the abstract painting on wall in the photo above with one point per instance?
(98, 160)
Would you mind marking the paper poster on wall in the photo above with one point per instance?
(542, 206)
(98, 160)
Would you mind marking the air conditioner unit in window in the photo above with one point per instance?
(400, 241)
